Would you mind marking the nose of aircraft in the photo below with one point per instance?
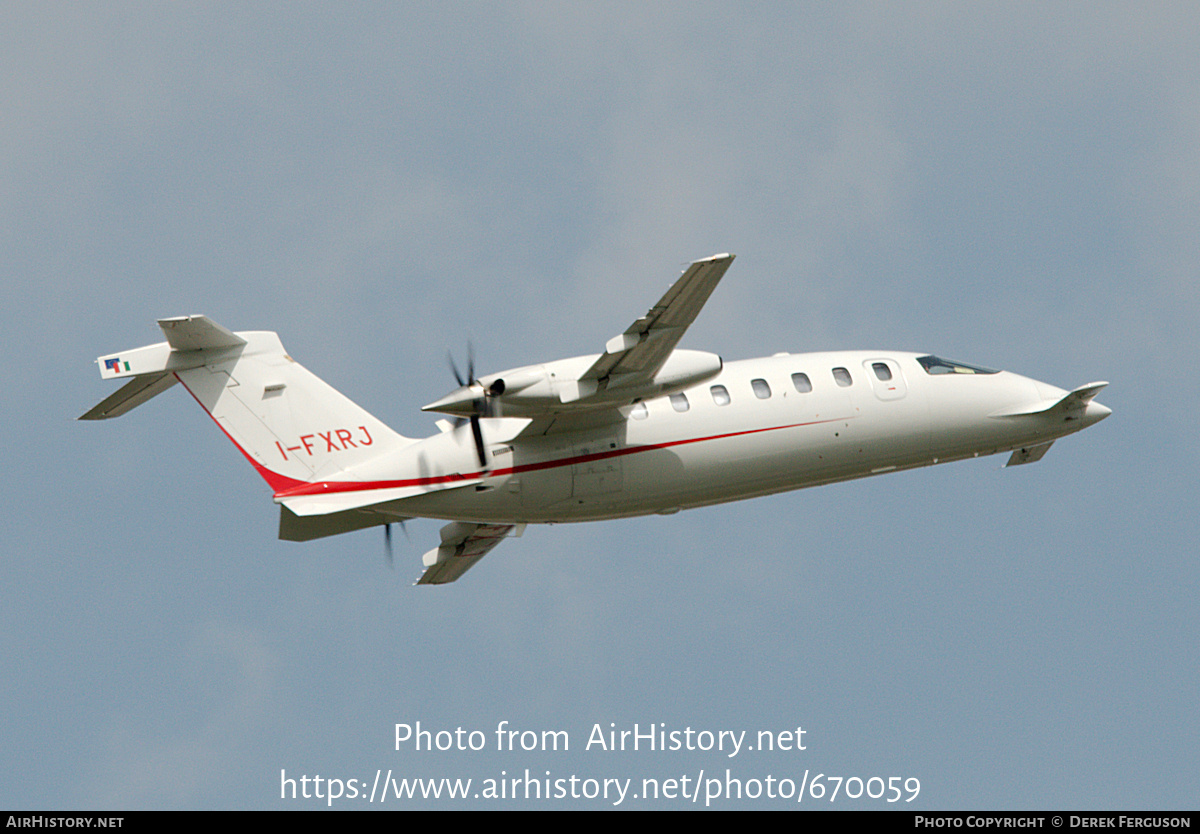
(1094, 413)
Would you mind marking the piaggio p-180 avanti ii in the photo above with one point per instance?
(643, 427)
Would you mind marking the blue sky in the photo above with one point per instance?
(1007, 184)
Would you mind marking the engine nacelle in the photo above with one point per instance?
(537, 390)
(685, 368)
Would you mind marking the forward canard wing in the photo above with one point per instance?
(1076, 406)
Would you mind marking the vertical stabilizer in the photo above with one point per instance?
(292, 426)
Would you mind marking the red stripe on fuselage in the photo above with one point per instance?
(325, 487)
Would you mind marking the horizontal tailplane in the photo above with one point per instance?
(192, 341)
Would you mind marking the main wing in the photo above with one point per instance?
(640, 363)
(635, 356)
(463, 544)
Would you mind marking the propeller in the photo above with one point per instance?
(387, 541)
(483, 402)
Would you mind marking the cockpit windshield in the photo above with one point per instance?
(935, 365)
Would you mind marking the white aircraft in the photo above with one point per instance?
(641, 428)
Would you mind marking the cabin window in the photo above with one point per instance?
(842, 376)
(720, 394)
(679, 402)
(802, 383)
(761, 389)
(882, 371)
(936, 366)
(639, 411)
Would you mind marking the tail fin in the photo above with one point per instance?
(292, 427)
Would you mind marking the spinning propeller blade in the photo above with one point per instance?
(481, 405)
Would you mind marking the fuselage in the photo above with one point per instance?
(643, 427)
(760, 426)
